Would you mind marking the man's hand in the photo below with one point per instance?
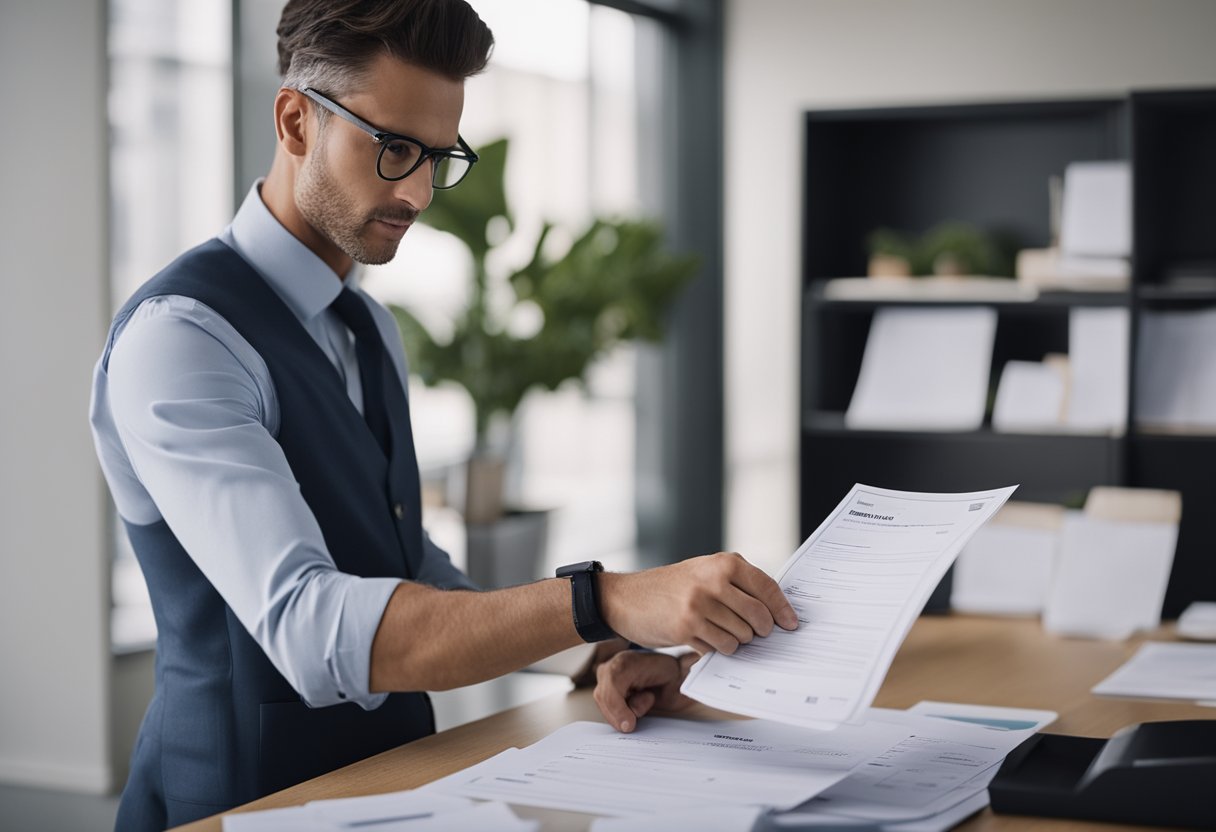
(632, 683)
(712, 602)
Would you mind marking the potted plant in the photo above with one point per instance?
(613, 284)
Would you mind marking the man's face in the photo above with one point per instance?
(338, 191)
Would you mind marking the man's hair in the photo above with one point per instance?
(328, 44)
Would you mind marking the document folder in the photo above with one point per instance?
(1155, 774)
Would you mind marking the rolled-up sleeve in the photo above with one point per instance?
(192, 413)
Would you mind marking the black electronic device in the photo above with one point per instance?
(1155, 774)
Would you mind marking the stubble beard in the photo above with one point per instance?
(332, 212)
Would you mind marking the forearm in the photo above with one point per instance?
(431, 639)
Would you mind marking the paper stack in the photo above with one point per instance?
(1095, 233)
(1114, 565)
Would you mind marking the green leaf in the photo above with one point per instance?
(615, 283)
(467, 210)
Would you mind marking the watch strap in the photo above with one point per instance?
(585, 600)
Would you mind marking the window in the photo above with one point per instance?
(561, 86)
(170, 114)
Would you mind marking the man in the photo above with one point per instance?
(250, 416)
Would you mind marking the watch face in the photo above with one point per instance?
(575, 568)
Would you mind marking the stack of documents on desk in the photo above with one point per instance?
(895, 768)
(933, 778)
(408, 811)
(672, 764)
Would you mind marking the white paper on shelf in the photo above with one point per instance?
(1097, 211)
(857, 584)
(930, 289)
(1098, 355)
(924, 369)
(1006, 567)
(1175, 373)
(1029, 398)
(1161, 670)
(671, 765)
(1110, 578)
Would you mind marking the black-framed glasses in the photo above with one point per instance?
(402, 155)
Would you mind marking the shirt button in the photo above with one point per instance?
(398, 510)
(341, 695)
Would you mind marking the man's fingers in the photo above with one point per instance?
(627, 676)
(751, 610)
(641, 703)
(760, 586)
(725, 618)
(719, 639)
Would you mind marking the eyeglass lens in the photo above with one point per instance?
(399, 157)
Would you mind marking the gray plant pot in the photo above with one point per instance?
(509, 551)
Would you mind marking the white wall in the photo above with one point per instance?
(54, 578)
(787, 56)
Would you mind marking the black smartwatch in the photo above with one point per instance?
(585, 600)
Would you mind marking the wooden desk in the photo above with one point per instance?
(954, 659)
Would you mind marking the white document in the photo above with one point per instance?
(407, 811)
(702, 819)
(384, 808)
(1098, 356)
(938, 764)
(1111, 577)
(1006, 568)
(1030, 398)
(672, 765)
(1097, 212)
(292, 819)
(1175, 373)
(924, 369)
(857, 585)
(995, 717)
(1162, 670)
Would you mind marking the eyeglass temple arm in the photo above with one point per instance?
(338, 110)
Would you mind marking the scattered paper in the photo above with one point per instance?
(938, 764)
(407, 811)
(1161, 670)
(1006, 568)
(1111, 577)
(702, 819)
(857, 585)
(670, 765)
(994, 717)
(924, 369)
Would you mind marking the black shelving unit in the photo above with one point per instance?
(988, 165)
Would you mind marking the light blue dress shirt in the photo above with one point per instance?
(185, 421)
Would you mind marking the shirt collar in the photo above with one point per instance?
(301, 278)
